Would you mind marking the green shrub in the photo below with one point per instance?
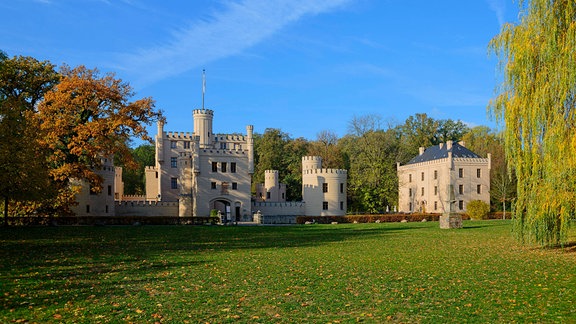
(477, 209)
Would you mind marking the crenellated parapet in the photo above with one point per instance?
(203, 112)
(325, 171)
(179, 136)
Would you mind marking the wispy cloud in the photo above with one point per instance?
(237, 27)
(499, 8)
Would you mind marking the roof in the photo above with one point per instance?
(441, 152)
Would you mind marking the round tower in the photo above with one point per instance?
(250, 141)
(271, 184)
(203, 126)
(311, 162)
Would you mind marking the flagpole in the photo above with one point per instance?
(203, 86)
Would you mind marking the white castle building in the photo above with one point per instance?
(441, 175)
(199, 172)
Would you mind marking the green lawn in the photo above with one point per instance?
(396, 272)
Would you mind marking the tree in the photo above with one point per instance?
(537, 101)
(275, 150)
(88, 117)
(371, 163)
(326, 146)
(135, 178)
(23, 168)
(482, 140)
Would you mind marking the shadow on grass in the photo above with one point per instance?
(54, 266)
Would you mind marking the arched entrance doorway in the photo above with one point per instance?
(231, 212)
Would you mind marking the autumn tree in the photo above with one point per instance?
(23, 168)
(326, 146)
(536, 102)
(88, 117)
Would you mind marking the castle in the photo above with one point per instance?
(200, 172)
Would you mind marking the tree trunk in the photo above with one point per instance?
(6, 211)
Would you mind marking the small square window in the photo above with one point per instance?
(213, 185)
(173, 162)
(324, 205)
(173, 144)
(173, 183)
(234, 186)
(461, 189)
(324, 187)
(233, 167)
(460, 173)
(478, 173)
(214, 166)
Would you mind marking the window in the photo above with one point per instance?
(341, 188)
(283, 196)
(224, 189)
(186, 145)
(324, 187)
(173, 144)
(223, 166)
(422, 194)
(324, 205)
(156, 174)
(435, 205)
(410, 192)
(478, 173)
(435, 174)
(461, 204)
(435, 190)
(109, 190)
(410, 178)
(173, 162)
(234, 185)
(87, 209)
(479, 189)
(213, 185)
(410, 206)
(422, 176)
(461, 189)
(460, 173)
(341, 205)
(222, 145)
(106, 209)
(214, 166)
(173, 183)
(268, 195)
(233, 167)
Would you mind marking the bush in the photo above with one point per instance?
(477, 209)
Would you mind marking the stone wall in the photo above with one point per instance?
(150, 208)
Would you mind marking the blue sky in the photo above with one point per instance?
(302, 66)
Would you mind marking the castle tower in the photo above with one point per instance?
(271, 183)
(185, 185)
(250, 141)
(203, 126)
(311, 163)
(323, 190)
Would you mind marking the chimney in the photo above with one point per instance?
(448, 145)
(441, 145)
(421, 150)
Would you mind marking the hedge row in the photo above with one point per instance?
(110, 220)
(385, 218)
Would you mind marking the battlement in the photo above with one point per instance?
(179, 135)
(229, 137)
(150, 167)
(325, 171)
(203, 112)
(311, 159)
(147, 203)
(270, 171)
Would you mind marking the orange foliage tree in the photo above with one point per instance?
(88, 117)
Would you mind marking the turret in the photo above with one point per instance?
(203, 126)
(250, 142)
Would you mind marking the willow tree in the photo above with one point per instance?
(537, 101)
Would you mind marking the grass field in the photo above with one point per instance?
(388, 272)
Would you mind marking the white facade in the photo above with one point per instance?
(323, 190)
(202, 170)
(443, 177)
(97, 204)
